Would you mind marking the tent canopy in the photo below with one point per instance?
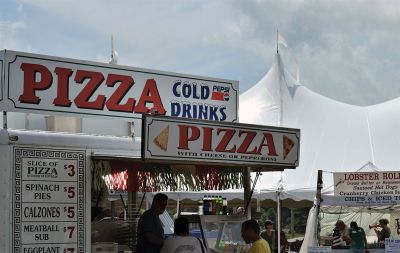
(297, 198)
(334, 136)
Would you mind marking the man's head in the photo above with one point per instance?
(383, 222)
(250, 231)
(159, 203)
(268, 224)
(181, 226)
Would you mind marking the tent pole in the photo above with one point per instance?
(318, 204)
(5, 120)
(246, 190)
(278, 202)
(292, 221)
(178, 203)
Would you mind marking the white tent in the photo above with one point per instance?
(334, 136)
(294, 195)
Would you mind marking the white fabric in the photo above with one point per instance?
(181, 244)
(296, 194)
(311, 231)
(334, 136)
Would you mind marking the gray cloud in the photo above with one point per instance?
(347, 50)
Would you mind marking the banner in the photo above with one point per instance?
(184, 140)
(52, 85)
(367, 188)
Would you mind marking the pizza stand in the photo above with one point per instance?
(51, 180)
(362, 196)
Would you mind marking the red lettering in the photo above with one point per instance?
(113, 103)
(95, 80)
(246, 142)
(150, 95)
(268, 141)
(222, 145)
(30, 83)
(207, 138)
(184, 135)
(63, 75)
(38, 77)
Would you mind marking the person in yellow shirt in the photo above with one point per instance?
(251, 234)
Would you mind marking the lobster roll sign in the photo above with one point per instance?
(185, 140)
(367, 188)
(53, 85)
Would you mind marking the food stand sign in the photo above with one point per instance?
(392, 245)
(185, 140)
(54, 85)
(367, 188)
(48, 200)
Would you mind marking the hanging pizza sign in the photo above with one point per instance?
(188, 140)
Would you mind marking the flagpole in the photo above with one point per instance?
(277, 48)
(112, 48)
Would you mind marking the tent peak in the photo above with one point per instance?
(369, 166)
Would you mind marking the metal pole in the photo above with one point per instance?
(318, 206)
(292, 221)
(132, 214)
(27, 121)
(5, 120)
(178, 202)
(278, 201)
(246, 189)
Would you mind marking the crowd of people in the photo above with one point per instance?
(355, 237)
(150, 234)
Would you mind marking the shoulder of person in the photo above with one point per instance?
(146, 213)
(259, 245)
(261, 241)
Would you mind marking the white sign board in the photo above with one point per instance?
(392, 245)
(167, 138)
(319, 249)
(53, 85)
(49, 200)
(367, 188)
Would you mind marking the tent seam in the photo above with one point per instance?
(370, 137)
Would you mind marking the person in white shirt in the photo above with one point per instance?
(182, 241)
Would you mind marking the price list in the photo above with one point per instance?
(49, 201)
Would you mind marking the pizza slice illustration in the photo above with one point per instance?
(288, 144)
(161, 140)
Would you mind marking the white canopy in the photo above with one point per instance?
(334, 136)
(295, 195)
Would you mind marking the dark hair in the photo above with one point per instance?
(354, 225)
(384, 221)
(181, 226)
(251, 224)
(159, 196)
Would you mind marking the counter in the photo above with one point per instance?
(219, 233)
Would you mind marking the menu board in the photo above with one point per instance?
(48, 200)
(392, 245)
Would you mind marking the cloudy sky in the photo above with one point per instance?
(347, 50)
